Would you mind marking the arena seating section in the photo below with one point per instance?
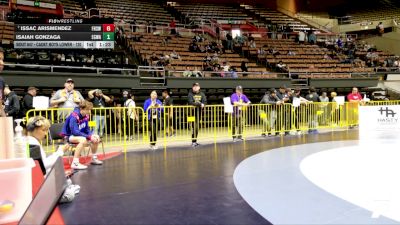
(150, 44)
(276, 17)
(134, 10)
(6, 32)
(368, 11)
(211, 11)
(308, 59)
(71, 5)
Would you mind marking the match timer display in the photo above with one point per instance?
(65, 34)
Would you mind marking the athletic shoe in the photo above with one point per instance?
(263, 135)
(68, 195)
(234, 140)
(96, 161)
(78, 166)
(195, 144)
(68, 182)
(239, 139)
(298, 133)
(76, 188)
(155, 147)
(151, 147)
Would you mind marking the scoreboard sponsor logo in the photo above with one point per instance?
(96, 28)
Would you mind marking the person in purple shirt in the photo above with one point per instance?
(238, 100)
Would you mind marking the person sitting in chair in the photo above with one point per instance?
(76, 131)
(37, 128)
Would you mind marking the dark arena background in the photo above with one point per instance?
(203, 112)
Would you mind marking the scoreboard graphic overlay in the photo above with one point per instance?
(65, 34)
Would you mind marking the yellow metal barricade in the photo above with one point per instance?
(127, 128)
(171, 124)
(117, 126)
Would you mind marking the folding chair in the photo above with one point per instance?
(55, 135)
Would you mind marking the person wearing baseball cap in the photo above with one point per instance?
(66, 98)
(271, 104)
(27, 102)
(197, 99)
(239, 101)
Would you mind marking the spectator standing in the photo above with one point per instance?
(239, 101)
(324, 99)
(197, 99)
(297, 110)
(11, 104)
(99, 101)
(284, 121)
(312, 112)
(66, 98)
(168, 102)
(76, 130)
(152, 107)
(229, 41)
(354, 96)
(243, 67)
(131, 116)
(27, 102)
(302, 37)
(272, 102)
(121, 113)
(172, 26)
(380, 28)
(312, 38)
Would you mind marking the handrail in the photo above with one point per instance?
(306, 20)
(99, 70)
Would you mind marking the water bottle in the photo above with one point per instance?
(20, 142)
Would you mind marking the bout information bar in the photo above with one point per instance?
(71, 35)
(64, 44)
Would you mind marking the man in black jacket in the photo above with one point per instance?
(11, 104)
(272, 104)
(312, 111)
(27, 103)
(197, 99)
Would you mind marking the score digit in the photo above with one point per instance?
(108, 27)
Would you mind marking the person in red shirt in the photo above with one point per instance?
(354, 99)
(354, 96)
(172, 26)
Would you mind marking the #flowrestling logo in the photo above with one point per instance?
(388, 116)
